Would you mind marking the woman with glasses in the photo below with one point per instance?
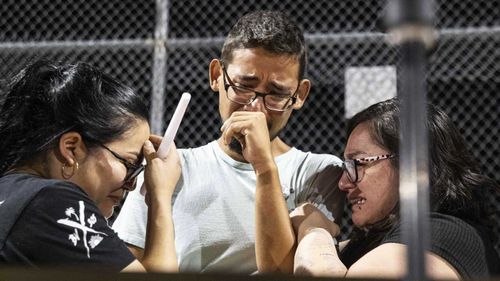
(72, 143)
(461, 244)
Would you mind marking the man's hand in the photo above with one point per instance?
(250, 129)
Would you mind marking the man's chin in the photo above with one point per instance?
(235, 146)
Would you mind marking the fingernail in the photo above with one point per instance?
(148, 143)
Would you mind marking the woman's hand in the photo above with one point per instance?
(160, 179)
(316, 254)
(160, 175)
(307, 217)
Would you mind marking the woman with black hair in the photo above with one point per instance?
(461, 244)
(72, 141)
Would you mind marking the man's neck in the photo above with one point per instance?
(278, 147)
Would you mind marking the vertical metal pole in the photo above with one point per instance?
(157, 106)
(410, 24)
(414, 173)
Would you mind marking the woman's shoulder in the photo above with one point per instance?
(21, 186)
(456, 241)
(18, 191)
(61, 225)
(469, 240)
(22, 181)
(441, 225)
(450, 228)
(24, 193)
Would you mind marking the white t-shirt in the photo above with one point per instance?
(213, 205)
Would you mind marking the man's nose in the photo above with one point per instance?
(256, 105)
(344, 183)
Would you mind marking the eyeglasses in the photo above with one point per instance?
(244, 96)
(350, 166)
(133, 170)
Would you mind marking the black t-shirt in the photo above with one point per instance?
(54, 223)
(466, 248)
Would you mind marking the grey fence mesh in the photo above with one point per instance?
(344, 41)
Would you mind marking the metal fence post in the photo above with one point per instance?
(157, 107)
(410, 27)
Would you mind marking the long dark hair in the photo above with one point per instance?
(456, 186)
(45, 100)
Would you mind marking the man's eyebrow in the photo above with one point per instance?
(238, 78)
(251, 78)
(246, 78)
(280, 87)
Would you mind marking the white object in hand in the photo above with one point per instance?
(173, 126)
(171, 131)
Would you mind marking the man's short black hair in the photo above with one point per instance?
(272, 31)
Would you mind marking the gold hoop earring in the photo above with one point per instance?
(64, 173)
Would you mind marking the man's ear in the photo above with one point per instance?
(214, 73)
(71, 148)
(302, 93)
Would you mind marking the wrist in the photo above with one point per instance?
(320, 231)
(314, 229)
(265, 167)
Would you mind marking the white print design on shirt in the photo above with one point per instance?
(79, 224)
(1, 202)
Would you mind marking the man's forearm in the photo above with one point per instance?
(275, 239)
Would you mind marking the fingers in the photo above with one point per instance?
(313, 218)
(160, 173)
(172, 149)
(236, 129)
(241, 124)
(334, 229)
(173, 156)
(149, 151)
(251, 130)
(250, 117)
(299, 211)
(156, 140)
(306, 208)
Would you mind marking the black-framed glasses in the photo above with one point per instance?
(133, 170)
(245, 96)
(351, 166)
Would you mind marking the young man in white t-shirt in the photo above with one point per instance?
(231, 206)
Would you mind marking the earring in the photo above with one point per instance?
(65, 173)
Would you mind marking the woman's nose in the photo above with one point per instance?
(130, 185)
(344, 183)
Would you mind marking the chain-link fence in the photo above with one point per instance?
(349, 60)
